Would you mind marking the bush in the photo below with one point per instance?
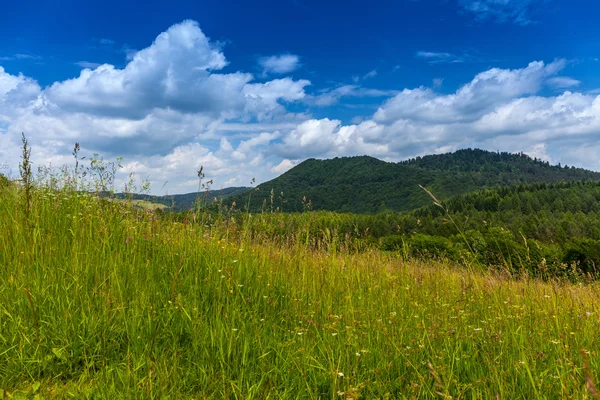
(502, 249)
(430, 246)
(585, 253)
(4, 181)
(392, 242)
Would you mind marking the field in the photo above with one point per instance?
(102, 300)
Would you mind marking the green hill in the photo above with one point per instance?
(368, 185)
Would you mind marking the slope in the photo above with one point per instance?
(367, 185)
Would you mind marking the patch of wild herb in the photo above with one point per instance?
(101, 300)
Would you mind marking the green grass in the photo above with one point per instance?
(98, 300)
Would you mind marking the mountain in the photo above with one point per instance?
(367, 185)
(184, 202)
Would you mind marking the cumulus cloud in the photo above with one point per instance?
(472, 100)
(263, 99)
(171, 110)
(500, 109)
(328, 138)
(157, 109)
(16, 91)
(280, 64)
(175, 72)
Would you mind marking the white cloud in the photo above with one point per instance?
(433, 57)
(88, 64)
(283, 166)
(21, 56)
(16, 91)
(175, 72)
(515, 11)
(539, 151)
(437, 82)
(562, 82)
(328, 138)
(280, 64)
(263, 99)
(155, 111)
(498, 110)
(170, 110)
(472, 100)
(329, 97)
(370, 74)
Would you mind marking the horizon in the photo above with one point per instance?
(199, 84)
(213, 189)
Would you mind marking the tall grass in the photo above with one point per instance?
(100, 300)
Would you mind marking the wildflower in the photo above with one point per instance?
(234, 329)
(334, 334)
(341, 374)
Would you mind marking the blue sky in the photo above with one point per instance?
(249, 89)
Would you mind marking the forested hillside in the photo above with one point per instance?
(527, 227)
(368, 185)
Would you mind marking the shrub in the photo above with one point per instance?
(430, 246)
(4, 181)
(585, 253)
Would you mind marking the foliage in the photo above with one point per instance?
(4, 182)
(535, 229)
(102, 300)
(367, 185)
(184, 202)
(109, 301)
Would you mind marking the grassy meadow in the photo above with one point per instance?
(101, 300)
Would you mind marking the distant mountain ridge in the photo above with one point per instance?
(187, 201)
(365, 184)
